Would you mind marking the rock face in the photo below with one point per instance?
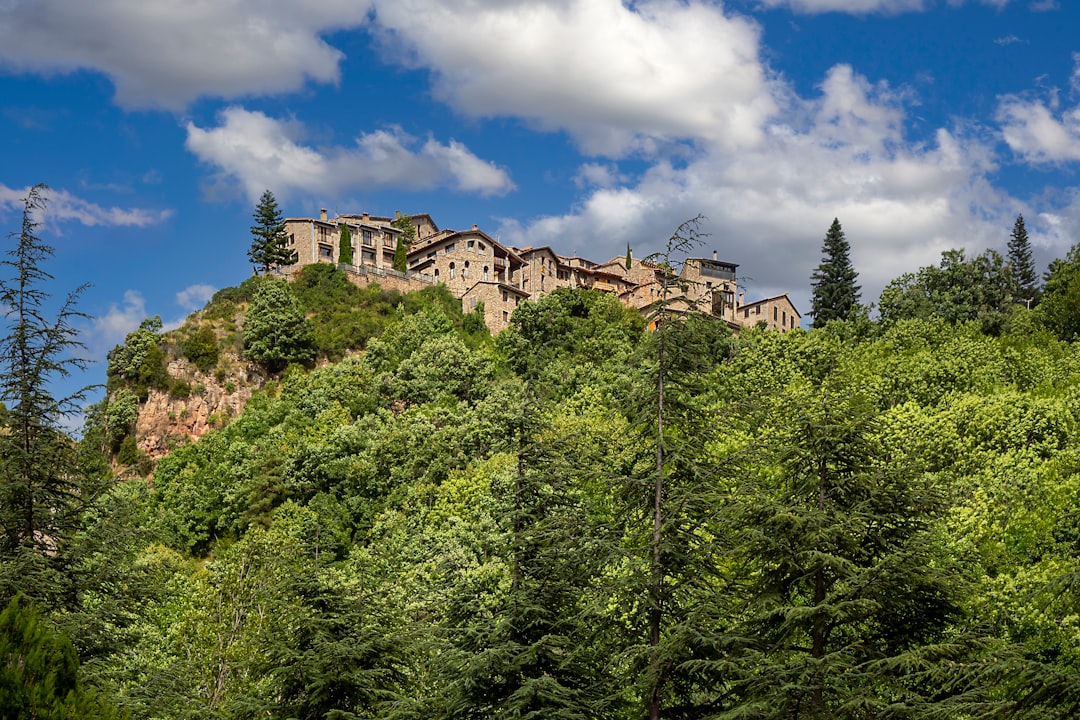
(166, 421)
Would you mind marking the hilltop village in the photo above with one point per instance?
(479, 269)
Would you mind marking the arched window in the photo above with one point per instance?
(436, 274)
(451, 271)
(485, 273)
(465, 270)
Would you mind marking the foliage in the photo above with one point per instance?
(1059, 308)
(405, 241)
(836, 296)
(269, 244)
(345, 248)
(40, 675)
(201, 348)
(140, 362)
(958, 290)
(276, 332)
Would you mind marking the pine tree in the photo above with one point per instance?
(835, 293)
(629, 257)
(41, 492)
(269, 244)
(345, 251)
(1021, 268)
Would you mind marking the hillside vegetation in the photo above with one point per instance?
(577, 518)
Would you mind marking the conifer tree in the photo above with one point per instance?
(345, 251)
(1021, 268)
(629, 258)
(835, 293)
(41, 492)
(269, 244)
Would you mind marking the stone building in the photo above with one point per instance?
(479, 269)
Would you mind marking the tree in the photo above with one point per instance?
(848, 586)
(41, 493)
(345, 252)
(39, 671)
(835, 293)
(276, 332)
(1021, 268)
(1059, 307)
(629, 257)
(404, 242)
(269, 244)
(958, 290)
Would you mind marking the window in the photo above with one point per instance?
(757, 310)
(784, 316)
(367, 238)
(388, 240)
(504, 296)
(482, 248)
(465, 270)
(506, 316)
(746, 312)
(471, 246)
(292, 239)
(325, 251)
(774, 314)
(451, 271)
(449, 249)
(485, 273)
(436, 274)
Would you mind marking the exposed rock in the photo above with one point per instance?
(166, 421)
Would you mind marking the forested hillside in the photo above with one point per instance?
(578, 518)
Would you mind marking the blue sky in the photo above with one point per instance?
(922, 125)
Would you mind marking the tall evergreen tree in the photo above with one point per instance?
(835, 293)
(1021, 268)
(345, 251)
(269, 244)
(40, 493)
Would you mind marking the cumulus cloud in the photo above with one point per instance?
(110, 329)
(258, 152)
(901, 202)
(166, 53)
(618, 76)
(195, 297)
(1040, 130)
(62, 206)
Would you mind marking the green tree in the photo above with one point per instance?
(1059, 307)
(1024, 285)
(269, 244)
(836, 295)
(39, 671)
(276, 332)
(958, 290)
(848, 587)
(41, 491)
(629, 257)
(345, 251)
(405, 241)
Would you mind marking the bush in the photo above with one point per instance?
(201, 348)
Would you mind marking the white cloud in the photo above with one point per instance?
(110, 329)
(900, 202)
(865, 7)
(258, 152)
(167, 53)
(62, 206)
(195, 297)
(618, 76)
(1038, 134)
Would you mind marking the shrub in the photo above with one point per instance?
(201, 348)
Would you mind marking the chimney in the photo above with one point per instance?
(742, 299)
(322, 214)
(397, 214)
(474, 226)
(365, 218)
(714, 255)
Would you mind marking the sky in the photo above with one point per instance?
(586, 125)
